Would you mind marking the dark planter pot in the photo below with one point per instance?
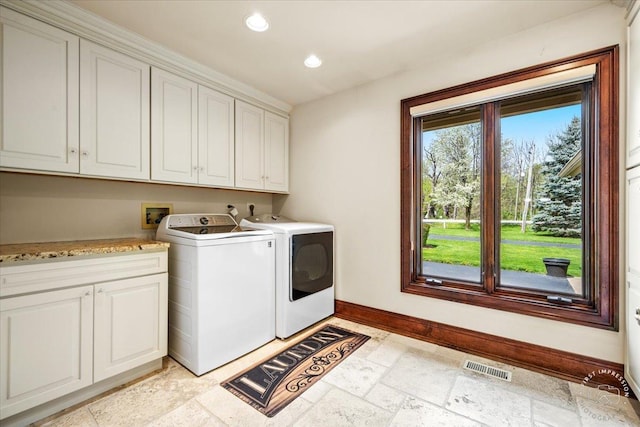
(556, 267)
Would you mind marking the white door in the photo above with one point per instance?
(276, 152)
(632, 365)
(130, 324)
(114, 121)
(46, 343)
(216, 157)
(249, 146)
(39, 121)
(174, 128)
(633, 99)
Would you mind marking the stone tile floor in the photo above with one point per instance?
(390, 381)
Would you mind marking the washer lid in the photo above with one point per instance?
(203, 227)
(268, 219)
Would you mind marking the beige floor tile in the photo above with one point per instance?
(424, 375)
(629, 407)
(236, 413)
(415, 412)
(339, 408)
(355, 375)
(413, 343)
(386, 397)
(149, 399)
(489, 403)
(387, 352)
(594, 414)
(79, 417)
(404, 382)
(316, 391)
(532, 384)
(191, 414)
(553, 416)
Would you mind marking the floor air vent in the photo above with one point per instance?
(481, 368)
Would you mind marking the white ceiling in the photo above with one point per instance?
(359, 41)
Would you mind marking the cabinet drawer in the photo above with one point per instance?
(20, 279)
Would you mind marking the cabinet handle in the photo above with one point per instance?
(100, 290)
(85, 154)
(73, 151)
(87, 294)
(637, 316)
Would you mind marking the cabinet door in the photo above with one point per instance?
(249, 146)
(632, 365)
(39, 119)
(46, 343)
(276, 152)
(633, 99)
(174, 128)
(130, 324)
(114, 124)
(215, 138)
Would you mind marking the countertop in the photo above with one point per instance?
(48, 250)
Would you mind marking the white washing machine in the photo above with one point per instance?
(221, 289)
(304, 271)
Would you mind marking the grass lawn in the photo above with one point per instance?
(513, 257)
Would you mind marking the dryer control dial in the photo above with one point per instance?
(204, 220)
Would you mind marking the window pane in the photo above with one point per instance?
(541, 197)
(451, 174)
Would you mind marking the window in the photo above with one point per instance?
(509, 191)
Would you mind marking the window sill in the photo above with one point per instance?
(531, 305)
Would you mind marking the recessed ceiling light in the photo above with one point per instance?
(312, 61)
(256, 22)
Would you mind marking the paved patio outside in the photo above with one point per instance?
(514, 279)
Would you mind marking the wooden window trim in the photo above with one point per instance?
(603, 311)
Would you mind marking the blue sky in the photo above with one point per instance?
(539, 125)
(532, 126)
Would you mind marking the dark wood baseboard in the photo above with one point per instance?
(557, 363)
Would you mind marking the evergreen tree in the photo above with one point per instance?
(560, 206)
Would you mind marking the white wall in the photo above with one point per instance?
(41, 208)
(345, 170)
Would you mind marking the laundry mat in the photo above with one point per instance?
(273, 383)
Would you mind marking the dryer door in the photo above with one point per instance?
(311, 264)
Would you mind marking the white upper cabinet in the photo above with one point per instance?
(262, 149)
(276, 152)
(39, 118)
(174, 128)
(114, 121)
(249, 146)
(215, 138)
(71, 106)
(633, 99)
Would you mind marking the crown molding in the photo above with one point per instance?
(69, 17)
(632, 10)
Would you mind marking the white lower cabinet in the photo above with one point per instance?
(130, 324)
(46, 347)
(60, 334)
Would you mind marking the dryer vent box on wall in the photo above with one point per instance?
(152, 213)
